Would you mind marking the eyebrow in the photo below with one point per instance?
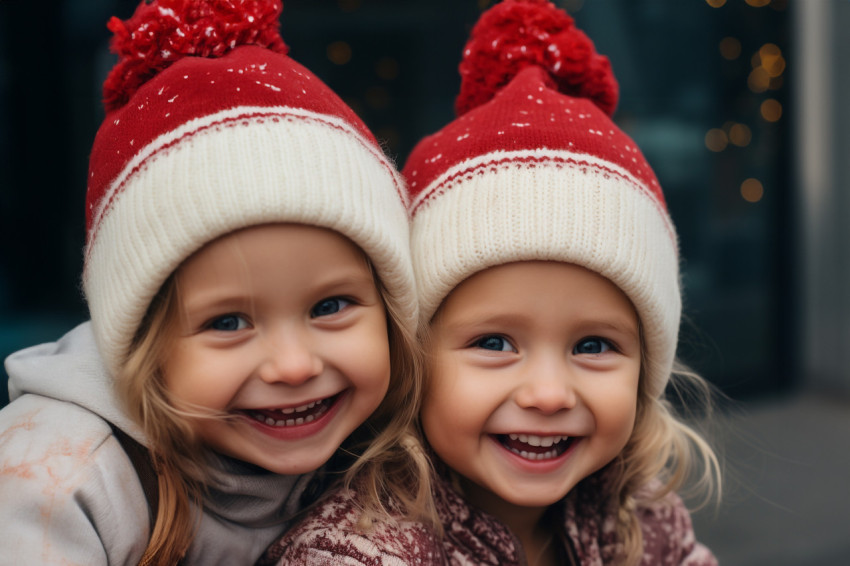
(346, 278)
(201, 306)
(617, 324)
(486, 320)
(614, 322)
(216, 297)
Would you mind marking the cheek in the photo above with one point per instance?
(452, 408)
(365, 354)
(436, 411)
(202, 378)
(179, 372)
(625, 425)
(376, 379)
(435, 417)
(615, 415)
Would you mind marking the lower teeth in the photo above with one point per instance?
(534, 455)
(558, 448)
(290, 422)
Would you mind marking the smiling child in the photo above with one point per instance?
(535, 371)
(547, 269)
(248, 277)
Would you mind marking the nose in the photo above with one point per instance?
(289, 357)
(548, 385)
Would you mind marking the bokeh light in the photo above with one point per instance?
(339, 52)
(715, 3)
(387, 68)
(752, 190)
(716, 140)
(740, 135)
(730, 48)
(771, 59)
(768, 65)
(771, 110)
(759, 80)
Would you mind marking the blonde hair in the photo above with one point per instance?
(663, 455)
(393, 474)
(389, 463)
(173, 444)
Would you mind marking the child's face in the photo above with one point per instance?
(281, 327)
(534, 381)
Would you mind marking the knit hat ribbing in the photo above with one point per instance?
(195, 147)
(534, 169)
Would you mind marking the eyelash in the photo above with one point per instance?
(347, 300)
(478, 343)
(242, 321)
(604, 341)
(240, 318)
(606, 345)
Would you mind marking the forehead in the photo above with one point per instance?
(274, 244)
(272, 261)
(532, 289)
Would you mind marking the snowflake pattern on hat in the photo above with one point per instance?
(534, 168)
(211, 127)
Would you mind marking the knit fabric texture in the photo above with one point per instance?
(537, 173)
(208, 145)
(329, 534)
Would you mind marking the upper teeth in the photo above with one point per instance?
(534, 440)
(283, 422)
(301, 409)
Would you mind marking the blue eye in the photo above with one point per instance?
(592, 345)
(327, 307)
(495, 343)
(229, 323)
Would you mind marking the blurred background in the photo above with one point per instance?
(739, 106)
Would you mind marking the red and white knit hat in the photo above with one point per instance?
(534, 169)
(210, 128)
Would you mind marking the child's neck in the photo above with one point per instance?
(528, 524)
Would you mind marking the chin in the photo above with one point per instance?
(295, 464)
(532, 496)
(533, 500)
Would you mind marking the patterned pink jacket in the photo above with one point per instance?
(328, 535)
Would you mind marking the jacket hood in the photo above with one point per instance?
(70, 370)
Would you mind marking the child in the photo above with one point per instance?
(547, 271)
(248, 276)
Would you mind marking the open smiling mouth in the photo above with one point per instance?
(533, 447)
(293, 416)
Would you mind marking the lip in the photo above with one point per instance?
(535, 466)
(299, 431)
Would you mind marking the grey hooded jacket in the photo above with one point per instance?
(69, 493)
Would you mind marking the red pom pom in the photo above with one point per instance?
(164, 31)
(516, 34)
